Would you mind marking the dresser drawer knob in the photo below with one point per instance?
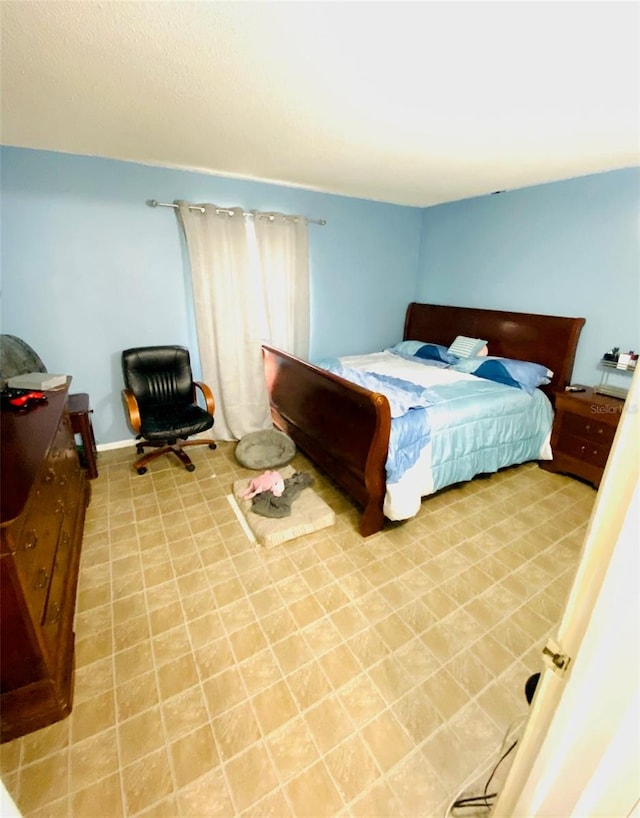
(32, 540)
(42, 578)
(587, 427)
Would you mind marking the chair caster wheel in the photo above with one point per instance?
(213, 445)
(191, 467)
(142, 470)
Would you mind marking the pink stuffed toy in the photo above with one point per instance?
(268, 481)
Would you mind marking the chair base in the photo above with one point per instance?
(165, 448)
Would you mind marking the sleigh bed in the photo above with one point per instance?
(345, 428)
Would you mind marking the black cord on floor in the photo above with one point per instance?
(473, 802)
(495, 769)
(483, 800)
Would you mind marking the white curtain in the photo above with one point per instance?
(250, 279)
(283, 259)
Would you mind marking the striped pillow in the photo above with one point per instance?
(465, 347)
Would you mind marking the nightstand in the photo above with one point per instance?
(584, 426)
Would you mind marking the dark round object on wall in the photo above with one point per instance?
(17, 358)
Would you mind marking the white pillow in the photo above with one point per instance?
(465, 347)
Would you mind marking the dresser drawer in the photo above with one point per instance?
(34, 561)
(52, 480)
(47, 496)
(53, 498)
(64, 433)
(60, 567)
(593, 453)
(55, 599)
(588, 428)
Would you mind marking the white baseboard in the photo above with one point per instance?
(119, 444)
(122, 444)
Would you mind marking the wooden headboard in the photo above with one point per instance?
(544, 339)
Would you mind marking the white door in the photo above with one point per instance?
(579, 755)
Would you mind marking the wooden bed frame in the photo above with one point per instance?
(345, 429)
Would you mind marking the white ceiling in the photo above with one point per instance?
(414, 103)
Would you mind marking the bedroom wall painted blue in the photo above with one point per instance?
(88, 269)
(565, 248)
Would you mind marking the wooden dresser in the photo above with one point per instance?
(43, 502)
(583, 430)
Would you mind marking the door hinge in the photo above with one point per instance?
(555, 657)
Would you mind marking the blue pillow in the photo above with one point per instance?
(428, 352)
(520, 374)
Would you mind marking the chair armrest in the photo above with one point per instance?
(208, 396)
(131, 405)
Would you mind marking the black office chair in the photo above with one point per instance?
(160, 399)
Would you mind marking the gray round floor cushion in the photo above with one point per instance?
(266, 449)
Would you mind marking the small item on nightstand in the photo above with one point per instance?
(574, 389)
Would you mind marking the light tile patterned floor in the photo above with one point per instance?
(330, 676)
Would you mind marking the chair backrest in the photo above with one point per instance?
(158, 375)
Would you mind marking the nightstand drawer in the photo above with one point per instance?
(582, 449)
(589, 428)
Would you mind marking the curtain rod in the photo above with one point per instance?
(156, 203)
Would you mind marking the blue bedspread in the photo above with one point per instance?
(481, 426)
(401, 394)
(410, 427)
(459, 428)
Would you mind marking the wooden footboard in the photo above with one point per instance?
(342, 427)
